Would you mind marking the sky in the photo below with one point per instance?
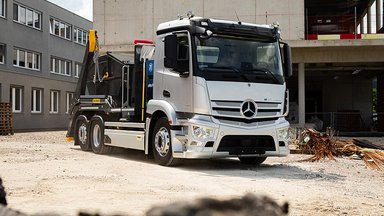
(79, 7)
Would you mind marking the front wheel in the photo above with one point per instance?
(81, 133)
(252, 160)
(162, 143)
(97, 136)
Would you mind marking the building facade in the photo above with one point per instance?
(119, 23)
(41, 51)
(337, 49)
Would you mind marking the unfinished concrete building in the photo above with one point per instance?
(337, 49)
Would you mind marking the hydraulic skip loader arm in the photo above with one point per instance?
(91, 49)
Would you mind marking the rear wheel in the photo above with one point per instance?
(252, 160)
(97, 136)
(81, 133)
(162, 143)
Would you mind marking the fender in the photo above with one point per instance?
(167, 108)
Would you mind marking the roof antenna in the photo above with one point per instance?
(190, 14)
(238, 20)
(180, 16)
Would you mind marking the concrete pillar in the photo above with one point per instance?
(362, 26)
(378, 14)
(380, 102)
(301, 81)
(369, 20)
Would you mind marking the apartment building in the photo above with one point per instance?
(41, 51)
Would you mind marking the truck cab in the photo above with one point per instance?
(207, 89)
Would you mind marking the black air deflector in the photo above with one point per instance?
(241, 30)
(269, 34)
(250, 144)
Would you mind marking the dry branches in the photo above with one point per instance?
(323, 146)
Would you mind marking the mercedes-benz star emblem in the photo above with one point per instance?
(248, 109)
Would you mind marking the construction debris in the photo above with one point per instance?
(366, 144)
(322, 145)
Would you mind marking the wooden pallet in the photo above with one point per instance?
(6, 119)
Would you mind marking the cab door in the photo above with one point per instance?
(177, 76)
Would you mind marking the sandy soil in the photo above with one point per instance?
(43, 173)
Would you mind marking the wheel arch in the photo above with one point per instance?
(97, 117)
(155, 106)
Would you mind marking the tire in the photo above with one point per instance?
(162, 144)
(252, 160)
(82, 133)
(97, 136)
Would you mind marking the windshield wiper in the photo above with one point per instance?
(228, 76)
(236, 76)
(220, 68)
(266, 71)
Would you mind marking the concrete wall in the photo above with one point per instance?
(119, 22)
(13, 34)
(337, 51)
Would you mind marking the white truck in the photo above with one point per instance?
(205, 89)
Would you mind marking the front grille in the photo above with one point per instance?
(247, 144)
(229, 112)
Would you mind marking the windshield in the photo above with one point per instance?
(238, 59)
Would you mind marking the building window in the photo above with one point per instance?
(36, 98)
(80, 36)
(26, 59)
(54, 107)
(60, 66)
(77, 69)
(26, 16)
(60, 28)
(17, 99)
(69, 99)
(3, 8)
(2, 53)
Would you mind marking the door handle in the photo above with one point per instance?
(166, 93)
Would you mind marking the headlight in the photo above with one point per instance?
(202, 132)
(283, 134)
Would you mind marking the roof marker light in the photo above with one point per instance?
(143, 42)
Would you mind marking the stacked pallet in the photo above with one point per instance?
(6, 119)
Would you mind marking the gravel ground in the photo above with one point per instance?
(43, 173)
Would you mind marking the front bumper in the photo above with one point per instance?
(185, 144)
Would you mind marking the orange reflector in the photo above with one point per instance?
(69, 139)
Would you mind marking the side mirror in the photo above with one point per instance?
(170, 55)
(287, 61)
(176, 55)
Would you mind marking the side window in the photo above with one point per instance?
(36, 100)
(3, 8)
(2, 53)
(54, 105)
(17, 99)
